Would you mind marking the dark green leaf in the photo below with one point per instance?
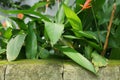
(31, 42)
(94, 45)
(43, 53)
(20, 23)
(2, 50)
(88, 51)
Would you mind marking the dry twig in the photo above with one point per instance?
(108, 30)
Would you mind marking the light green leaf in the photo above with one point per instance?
(31, 42)
(85, 34)
(54, 31)
(70, 37)
(72, 18)
(98, 60)
(60, 14)
(14, 46)
(77, 57)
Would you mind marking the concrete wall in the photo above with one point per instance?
(54, 70)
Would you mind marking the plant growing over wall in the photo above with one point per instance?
(71, 32)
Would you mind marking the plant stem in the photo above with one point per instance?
(79, 11)
(108, 30)
(98, 31)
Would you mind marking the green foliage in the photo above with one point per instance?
(98, 60)
(31, 42)
(78, 34)
(14, 46)
(77, 57)
(2, 50)
(73, 18)
(53, 31)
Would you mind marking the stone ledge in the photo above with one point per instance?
(55, 70)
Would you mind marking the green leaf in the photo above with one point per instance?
(98, 60)
(70, 37)
(8, 33)
(87, 35)
(88, 51)
(28, 12)
(77, 57)
(14, 46)
(73, 18)
(60, 14)
(31, 42)
(20, 23)
(43, 53)
(2, 50)
(94, 45)
(54, 31)
(37, 5)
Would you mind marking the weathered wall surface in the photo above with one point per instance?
(54, 70)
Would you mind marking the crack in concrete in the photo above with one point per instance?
(5, 72)
(119, 72)
(62, 70)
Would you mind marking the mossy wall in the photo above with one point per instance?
(55, 70)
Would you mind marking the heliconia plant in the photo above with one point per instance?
(70, 33)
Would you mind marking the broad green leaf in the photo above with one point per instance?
(77, 57)
(20, 23)
(73, 18)
(98, 60)
(31, 42)
(54, 31)
(60, 14)
(37, 5)
(14, 46)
